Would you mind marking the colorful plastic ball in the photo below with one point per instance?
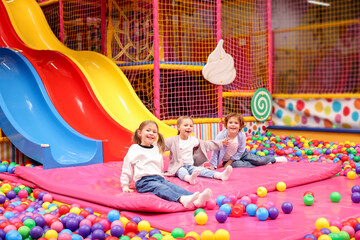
(24, 231)
(355, 188)
(51, 234)
(222, 234)
(219, 200)
(308, 200)
(309, 193)
(198, 210)
(321, 223)
(273, 212)
(324, 237)
(226, 200)
(344, 235)
(335, 197)
(251, 209)
(355, 197)
(13, 235)
(178, 233)
(262, 214)
(144, 225)
(115, 231)
(310, 236)
(36, 232)
(98, 234)
(131, 227)
(261, 191)
(207, 235)
(253, 197)
(113, 215)
(221, 216)
(281, 186)
(85, 230)
(136, 219)
(226, 208)
(351, 175)
(193, 235)
(237, 210)
(201, 218)
(210, 204)
(287, 207)
(349, 229)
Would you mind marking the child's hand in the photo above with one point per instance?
(226, 141)
(210, 167)
(127, 189)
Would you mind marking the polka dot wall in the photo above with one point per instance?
(323, 113)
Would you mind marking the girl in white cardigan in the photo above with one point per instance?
(143, 163)
(188, 154)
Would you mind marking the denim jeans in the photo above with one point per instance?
(161, 188)
(249, 160)
(189, 169)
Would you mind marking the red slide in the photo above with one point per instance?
(70, 93)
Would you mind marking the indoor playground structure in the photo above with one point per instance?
(78, 77)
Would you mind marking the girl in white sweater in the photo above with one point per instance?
(144, 164)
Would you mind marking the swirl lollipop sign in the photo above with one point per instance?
(261, 104)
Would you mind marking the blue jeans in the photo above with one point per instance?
(249, 160)
(189, 169)
(161, 188)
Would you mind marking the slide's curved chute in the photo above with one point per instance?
(107, 81)
(70, 93)
(32, 123)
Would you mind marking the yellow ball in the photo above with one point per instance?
(334, 229)
(144, 226)
(136, 238)
(201, 218)
(222, 234)
(321, 223)
(207, 235)
(351, 175)
(21, 186)
(124, 220)
(261, 192)
(193, 234)
(75, 210)
(324, 237)
(51, 234)
(168, 237)
(261, 153)
(53, 208)
(45, 205)
(5, 187)
(281, 186)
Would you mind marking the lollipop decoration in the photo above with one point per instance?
(261, 104)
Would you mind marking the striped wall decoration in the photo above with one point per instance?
(11, 153)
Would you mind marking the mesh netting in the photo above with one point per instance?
(316, 46)
(187, 34)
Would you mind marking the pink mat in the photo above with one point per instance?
(99, 183)
(287, 226)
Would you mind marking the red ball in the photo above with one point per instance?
(130, 234)
(309, 193)
(131, 227)
(4, 224)
(18, 225)
(36, 193)
(63, 209)
(84, 213)
(53, 220)
(344, 223)
(237, 211)
(353, 222)
(317, 233)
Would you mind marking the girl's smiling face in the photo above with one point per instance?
(233, 126)
(148, 134)
(185, 128)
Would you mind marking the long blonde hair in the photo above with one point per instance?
(180, 120)
(160, 142)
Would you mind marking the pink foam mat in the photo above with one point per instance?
(99, 183)
(287, 226)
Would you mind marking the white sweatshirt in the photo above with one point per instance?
(140, 162)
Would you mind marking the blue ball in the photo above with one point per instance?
(113, 215)
(219, 200)
(262, 214)
(3, 168)
(251, 209)
(13, 235)
(226, 208)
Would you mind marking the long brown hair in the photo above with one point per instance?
(235, 115)
(160, 142)
(180, 120)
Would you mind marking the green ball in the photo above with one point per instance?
(278, 139)
(334, 236)
(356, 158)
(158, 236)
(12, 164)
(309, 152)
(308, 200)
(178, 233)
(29, 223)
(28, 190)
(124, 237)
(16, 189)
(354, 152)
(24, 231)
(268, 134)
(266, 152)
(198, 210)
(335, 197)
(344, 235)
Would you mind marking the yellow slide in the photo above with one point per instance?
(108, 82)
